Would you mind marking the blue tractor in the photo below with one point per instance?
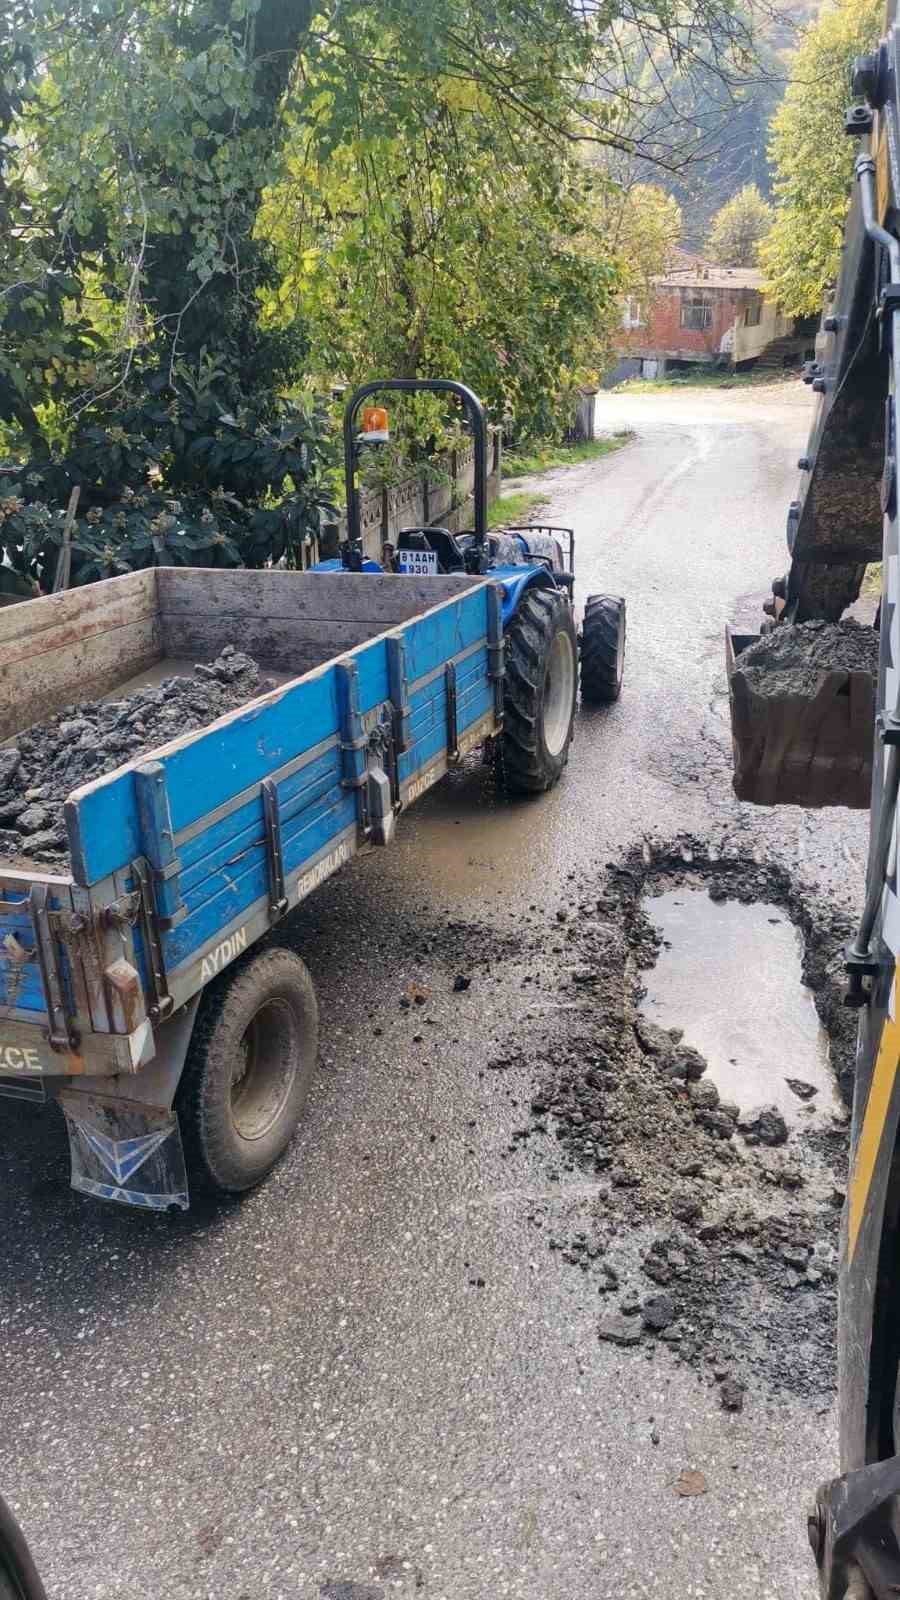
(534, 567)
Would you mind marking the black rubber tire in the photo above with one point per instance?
(602, 649)
(19, 1578)
(530, 764)
(262, 1014)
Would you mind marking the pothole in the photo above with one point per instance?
(714, 1223)
(729, 975)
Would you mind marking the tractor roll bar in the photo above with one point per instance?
(475, 413)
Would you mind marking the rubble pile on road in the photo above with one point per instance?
(41, 767)
(713, 1228)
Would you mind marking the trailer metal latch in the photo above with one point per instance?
(382, 781)
(123, 913)
(61, 1032)
(278, 903)
(383, 758)
(852, 1534)
(151, 934)
(452, 712)
(382, 816)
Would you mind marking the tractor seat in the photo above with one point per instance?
(440, 540)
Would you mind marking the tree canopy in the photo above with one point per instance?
(738, 227)
(728, 117)
(212, 208)
(813, 158)
(642, 224)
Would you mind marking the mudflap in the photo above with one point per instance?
(126, 1152)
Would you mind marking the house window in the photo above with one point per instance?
(753, 313)
(632, 313)
(696, 310)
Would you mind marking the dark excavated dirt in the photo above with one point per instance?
(712, 1231)
(41, 767)
(792, 658)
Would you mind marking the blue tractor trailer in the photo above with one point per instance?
(145, 987)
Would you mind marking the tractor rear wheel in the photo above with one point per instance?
(602, 649)
(539, 691)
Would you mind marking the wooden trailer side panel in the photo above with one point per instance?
(75, 646)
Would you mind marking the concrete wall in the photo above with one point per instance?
(626, 367)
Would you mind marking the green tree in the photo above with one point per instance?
(726, 116)
(813, 158)
(738, 228)
(446, 245)
(132, 356)
(642, 224)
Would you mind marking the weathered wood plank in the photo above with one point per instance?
(314, 596)
(295, 647)
(89, 608)
(119, 613)
(73, 668)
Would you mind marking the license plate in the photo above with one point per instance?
(418, 563)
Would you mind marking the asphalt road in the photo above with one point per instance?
(372, 1377)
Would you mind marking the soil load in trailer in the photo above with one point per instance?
(41, 767)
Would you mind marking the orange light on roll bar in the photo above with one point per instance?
(375, 425)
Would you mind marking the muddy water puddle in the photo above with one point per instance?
(471, 840)
(729, 975)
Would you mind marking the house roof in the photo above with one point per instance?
(688, 271)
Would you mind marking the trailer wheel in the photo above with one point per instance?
(248, 1071)
(602, 649)
(539, 691)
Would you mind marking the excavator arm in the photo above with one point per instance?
(834, 527)
(844, 517)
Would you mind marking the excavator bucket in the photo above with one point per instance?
(795, 748)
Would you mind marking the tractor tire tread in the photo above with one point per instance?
(602, 649)
(528, 767)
